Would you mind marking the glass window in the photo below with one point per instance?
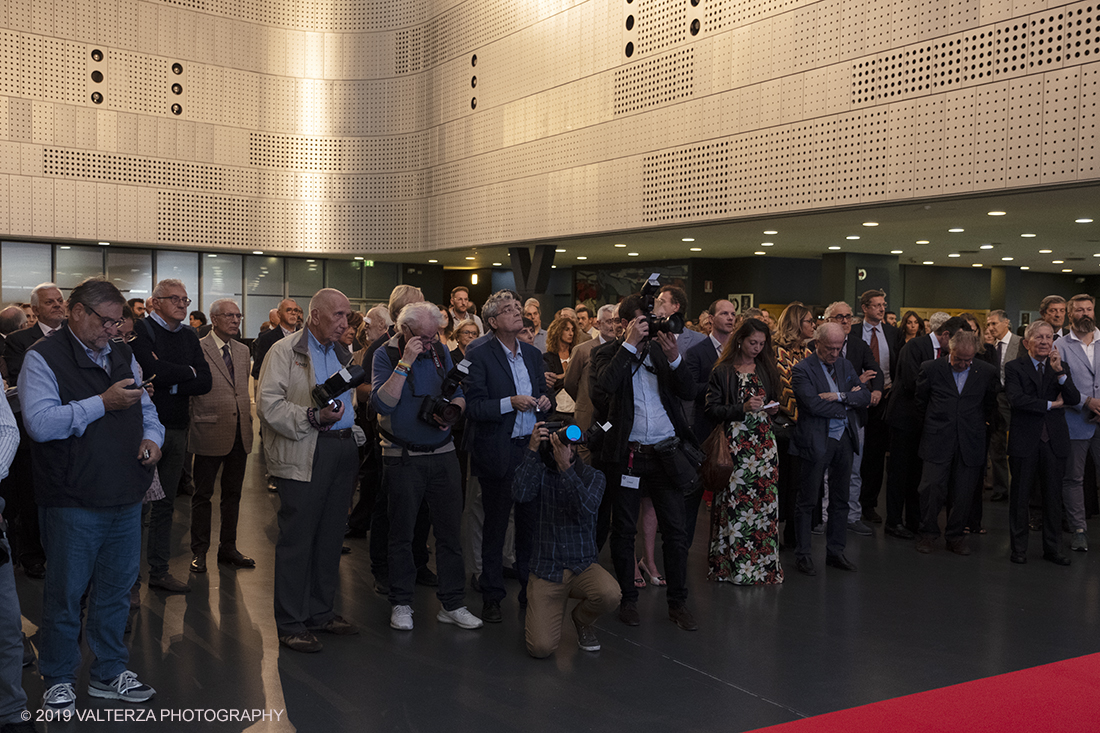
(257, 309)
(221, 278)
(183, 266)
(263, 275)
(24, 265)
(305, 277)
(76, 264)
(379, 281)
(131, 271)
(347, 277)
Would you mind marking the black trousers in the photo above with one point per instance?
(1041, 473)
(668, 503)
(205, 471)
(496, 500)
(902, 497)
(939, 481)
(21, 509)
(837, 461)
(380, 534)
(876, 441)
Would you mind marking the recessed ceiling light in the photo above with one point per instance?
(580, 257)
(870, 223)
(1097, 254)
(620, 245)
(696, 249)
(928, 262)
(470, 258)
(852, 237)
(553, 267)
(1057, 262)
(758, 253)
(767, 244)
(996, 213)
(257, 251)
(559, 250)
(432, 262)
(770, 231)
(896, 252)
(108, 244)
(1006, 259)
(954, 255)
(311, 260)
(359, 258)
(631, 254)
(1067, 270)
(834, 247)
(976, 264)
(1045, 251)
(956, 230)
(211, 255)
(1027, 235)
(1025, 267)
(688, 239)
(986, 246)
(497, 264)
(1079, 221)
(922, 241)
(64, 246)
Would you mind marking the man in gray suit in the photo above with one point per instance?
(1078, 350)
(999, 336)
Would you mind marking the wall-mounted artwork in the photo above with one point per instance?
(741, 302)
(597, 287)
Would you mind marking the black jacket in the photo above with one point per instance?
(171, 359)
(15, 348)
(1028, 394)
(954, 424)
(262, 345)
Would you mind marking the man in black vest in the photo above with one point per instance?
(171, 356)
(96, 439)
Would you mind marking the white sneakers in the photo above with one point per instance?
(460, 617)
(401, 618)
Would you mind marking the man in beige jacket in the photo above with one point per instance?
(220, 436)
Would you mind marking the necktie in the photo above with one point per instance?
(228, 358)
(1000, 352)
(1044, 435)
(874, 343)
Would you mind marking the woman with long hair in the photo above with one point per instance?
(796, 327)
(909, 327)
(560, 339)
(741, 396)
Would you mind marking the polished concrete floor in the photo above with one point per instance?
(765, 655)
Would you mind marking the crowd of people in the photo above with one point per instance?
(522, 449)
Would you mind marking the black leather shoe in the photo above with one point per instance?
(840, 562)
(1056, 557)
(628, 613)
(490, 613)
(425, 576)
(899, 531)
(34, 569)
(805, 566)
(233, 557)
(198, 564)
(682, 617)
(1019, 558)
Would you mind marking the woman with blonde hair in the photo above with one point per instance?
(795, 328)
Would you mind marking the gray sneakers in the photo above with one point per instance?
(401, 618)
(860, 528)
(460, 617)
(1080, 541)
(125, 687)
(60, 698)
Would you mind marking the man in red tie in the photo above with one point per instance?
(881, 337)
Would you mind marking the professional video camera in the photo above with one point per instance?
(673, 323)
(440, 410)
(347, 378)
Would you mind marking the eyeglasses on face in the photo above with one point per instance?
(107, 322)
(176, 299)
(843, 317)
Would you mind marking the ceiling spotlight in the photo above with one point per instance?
(620, 245)
(631, 254)
(922, 241)
(311, 260)
(496, 264)
(211, 255)
(986, 246)
(1067, 270)
(954, 254)
(956, 230)
(108, 244)
(870, 223)
(976, 264)
(579, 257)
(1079, 221)
(1025, 267)
(696, 249)
(257, 251)
(358, 258)
(471, 258)
(834, 247)
(1027, 235)
(767, 244)
(853, 236)
(928, 262)
(432, 262)
(996, 213)
(1045, 251)
(553, 267)
(896, 252)
(688, 239)
(770, 231)
(557, 250)
(1057, 262)
(758, 253)
(1006, 259)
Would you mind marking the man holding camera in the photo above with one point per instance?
(565, 561)
(418, 399)
(312, 453)
(639, 386)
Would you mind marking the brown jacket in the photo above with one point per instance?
(216, 414)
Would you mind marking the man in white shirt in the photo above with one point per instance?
(460, 307)
(1079, 351)
(882, 338)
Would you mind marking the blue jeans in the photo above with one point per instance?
(97, 549)
(13, 700)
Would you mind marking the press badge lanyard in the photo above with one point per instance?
(629, 480)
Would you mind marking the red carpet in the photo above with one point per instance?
(1063, 696)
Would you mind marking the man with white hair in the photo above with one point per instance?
(828, 391)
(48, 304)
(419, 461)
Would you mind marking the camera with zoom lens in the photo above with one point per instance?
(350, 377)
(441, 410)
(673, 323)
(571, 433)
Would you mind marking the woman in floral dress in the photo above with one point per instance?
(744, 528)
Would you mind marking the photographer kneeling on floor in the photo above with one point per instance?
(564, 561)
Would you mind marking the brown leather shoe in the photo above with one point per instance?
(682, 617)
(304, 642)
(628, 613)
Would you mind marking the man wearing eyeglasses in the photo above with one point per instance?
(96, 438)
(957, 396)
(220, 436)
(169, 355)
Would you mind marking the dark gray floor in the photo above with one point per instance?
(904, 623)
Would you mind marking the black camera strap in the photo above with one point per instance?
(414, 447)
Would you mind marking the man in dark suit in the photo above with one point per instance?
(882, 338)
(505, 388)
(858, 353)
(49, 306)
(1038, 385)
(906, 425)
(957, 396)
(828, 391)
(640, 385)
(1004, 347)
(1052, 309)
(289, 317)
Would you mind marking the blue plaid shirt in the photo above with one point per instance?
(568, 502)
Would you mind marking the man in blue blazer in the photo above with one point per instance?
(829, 392)
(1078, 350)
(505, 388)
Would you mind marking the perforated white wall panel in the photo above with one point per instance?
(375, 125)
